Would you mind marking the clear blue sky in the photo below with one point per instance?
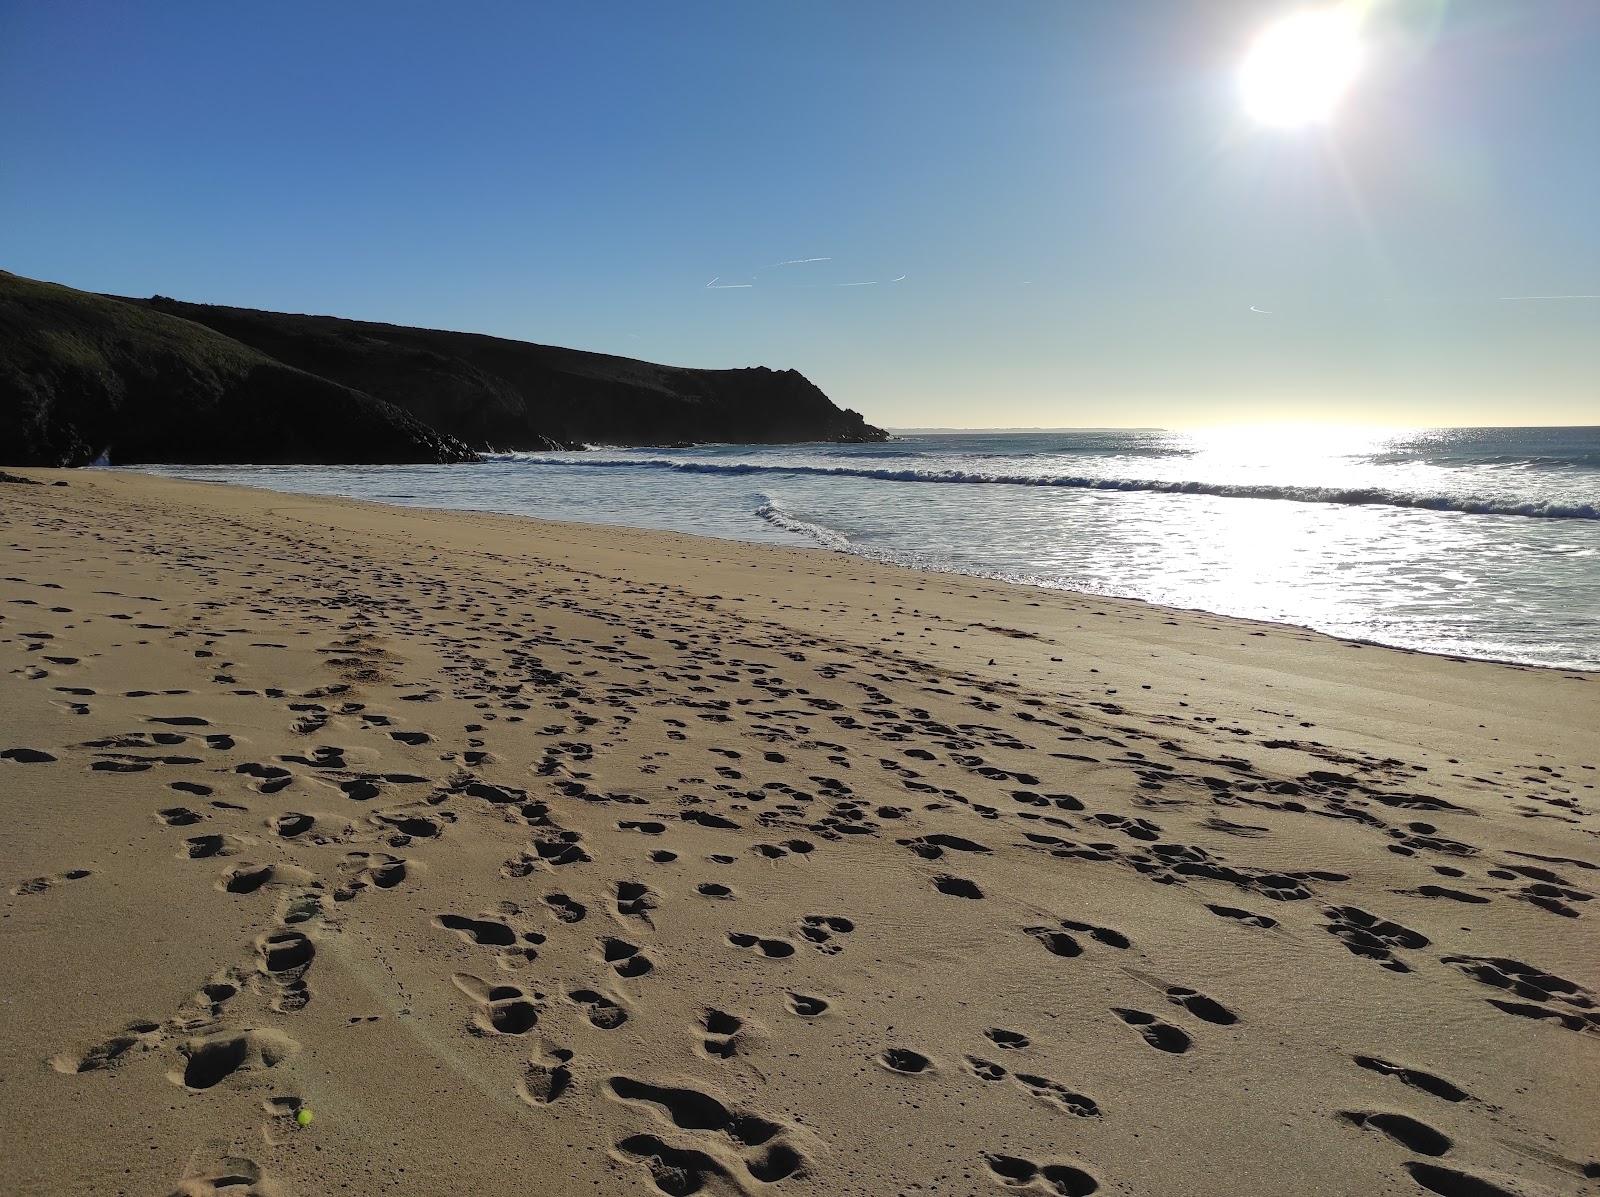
(1082, 213)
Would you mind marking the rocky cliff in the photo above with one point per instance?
(159, 380)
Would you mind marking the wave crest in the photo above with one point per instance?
(774, 513)
(1348, 496)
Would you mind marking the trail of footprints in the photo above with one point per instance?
(511, 670)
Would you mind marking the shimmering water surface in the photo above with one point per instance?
(1480, 542)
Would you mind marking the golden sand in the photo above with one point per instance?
(553, 859)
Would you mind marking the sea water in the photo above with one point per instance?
(1477, 542)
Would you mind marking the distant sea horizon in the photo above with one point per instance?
(1391, 429)
(1475, 542)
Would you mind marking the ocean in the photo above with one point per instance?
(1479, 542)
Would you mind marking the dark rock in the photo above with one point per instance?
(157, 380)
(83, 376)
(499, 394)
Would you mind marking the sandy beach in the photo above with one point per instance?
(543, 858)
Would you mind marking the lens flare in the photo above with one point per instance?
(1298, 69)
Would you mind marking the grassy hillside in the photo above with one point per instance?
(83, 374)
(497, 393)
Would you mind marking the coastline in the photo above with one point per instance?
(1123, 769)
(889, 561)
(1496, 588)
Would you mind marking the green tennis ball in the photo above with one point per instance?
(303, 1116)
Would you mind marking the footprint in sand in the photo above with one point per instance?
(111, 1052)
(283, 959)
(934, 846)
(1077, 1104)
(203, 847)
(375, 870)
(1375, 938)
(1202, 1007)
(178, 816)
(821, 928)
(673, 1170)
(550, 852)
(1015, 1172)
(361, 789)
(565, 908)
(986, 1070)
(626, 959)
(1263, 921)
(37, 885)
(1062, 943)
(545, 1079)
(502, 1009)
(642, 826)
(483, 932)
(1159, 1035)
(772, 949)
(291, 824)
(409, 825)
(956, 887)
(1403, 1129)
(272, 778)
(1447, 1182)
(634, 899)
(807, 1006)
(1415, 1077)
(765, 1155)
(245, 878)
(26, 756)
(231, 1176)
(209, 1060)
(722, 1032)
(1007, 1040)
(602, 1011)
(1108, 936)
(904, 1060)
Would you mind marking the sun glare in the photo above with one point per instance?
(1298, 69)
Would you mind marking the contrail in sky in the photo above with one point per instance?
(717, 284)
(1503, 298)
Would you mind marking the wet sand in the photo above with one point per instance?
(551, 859)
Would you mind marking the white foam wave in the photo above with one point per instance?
(774, 513)
(1349, 496)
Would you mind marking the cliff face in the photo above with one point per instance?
(82, 375)
(499, 394)
(156, 380)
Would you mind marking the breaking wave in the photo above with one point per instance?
(774, 513)
(1353, 496)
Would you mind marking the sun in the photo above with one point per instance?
(1298, 69)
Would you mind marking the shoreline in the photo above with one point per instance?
(889, 563)
(569, 857)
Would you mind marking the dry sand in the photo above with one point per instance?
(548, 859)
